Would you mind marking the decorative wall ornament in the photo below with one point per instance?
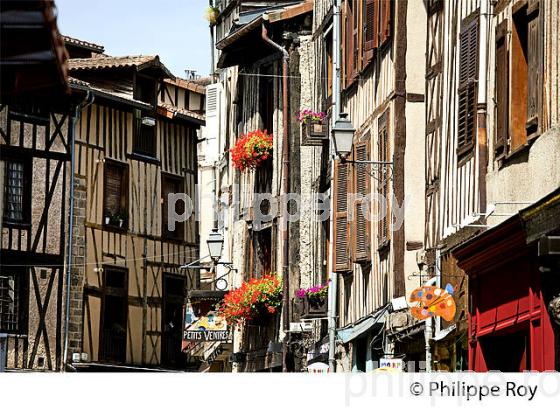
(432, 301)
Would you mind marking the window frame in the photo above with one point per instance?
(467, 89)
(9, 156)
(21, 293)
(124, 188)
(179, 233)
(383, 186)
(362, 152)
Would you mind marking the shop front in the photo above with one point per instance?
(512, 282)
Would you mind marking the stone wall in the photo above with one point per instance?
(78, 268)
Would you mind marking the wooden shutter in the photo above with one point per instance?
(341, 248)
(370, 29)
(356, 46)
(349, 43)
(171, 185)
(383, 180)
(115, 200)
(535, 68)
(361, 232)
(502, 90)
(384, 21)
(468, 70)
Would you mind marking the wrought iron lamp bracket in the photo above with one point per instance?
(380, 170)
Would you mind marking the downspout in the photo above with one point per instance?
(285, 184)
(482, 144)
(77, 113)
(429, 331)
(333, 286)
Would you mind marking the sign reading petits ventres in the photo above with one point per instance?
(207, 335)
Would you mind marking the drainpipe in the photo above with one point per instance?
(429, 331)
(285, 182)
(77, 112)
(482, 103)
(333, 286)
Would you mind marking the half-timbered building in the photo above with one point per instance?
(375, 244)
(36, 117)
(491, 142)
(265, 71)
(135, 149)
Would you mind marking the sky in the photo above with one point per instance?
(176, 30)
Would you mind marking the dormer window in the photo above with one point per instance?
(144, 119)
(145, 89)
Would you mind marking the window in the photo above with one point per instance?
(172, 185)
(13, 307)
(383, 182)
(144, 133)
(266, 98)
(361, 231)
(502, 89)
(366, 26)
(328, 44)
(144, 120)
(116, 195)
(341, 228)
(17, 191)
(519, 73)
(468, 74)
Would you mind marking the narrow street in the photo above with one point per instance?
(288, 186)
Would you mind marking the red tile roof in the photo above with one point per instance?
(94, 47)
(110, 62)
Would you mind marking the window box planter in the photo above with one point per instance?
(314, 129)
(313, 309)
(312, 303)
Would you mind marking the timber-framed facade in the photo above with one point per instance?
(134, 147)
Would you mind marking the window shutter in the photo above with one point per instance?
(384, 21)
(370, 29)
(349, 42)
(534, 79)
(502, 90)
(383, 185)
(468, 64)
(341, 257)
(113, 189)
(361, 231)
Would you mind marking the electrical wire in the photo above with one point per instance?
(97, 262)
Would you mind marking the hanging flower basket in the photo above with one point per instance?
(313, 301)
(313, 126)
(251, 150)
(254, 302)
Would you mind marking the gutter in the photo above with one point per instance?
(77, 113)
(285, 183)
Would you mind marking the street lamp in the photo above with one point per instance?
(343, 136)
(215, 243)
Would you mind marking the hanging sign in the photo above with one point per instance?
(207, 328)
(433, 301)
